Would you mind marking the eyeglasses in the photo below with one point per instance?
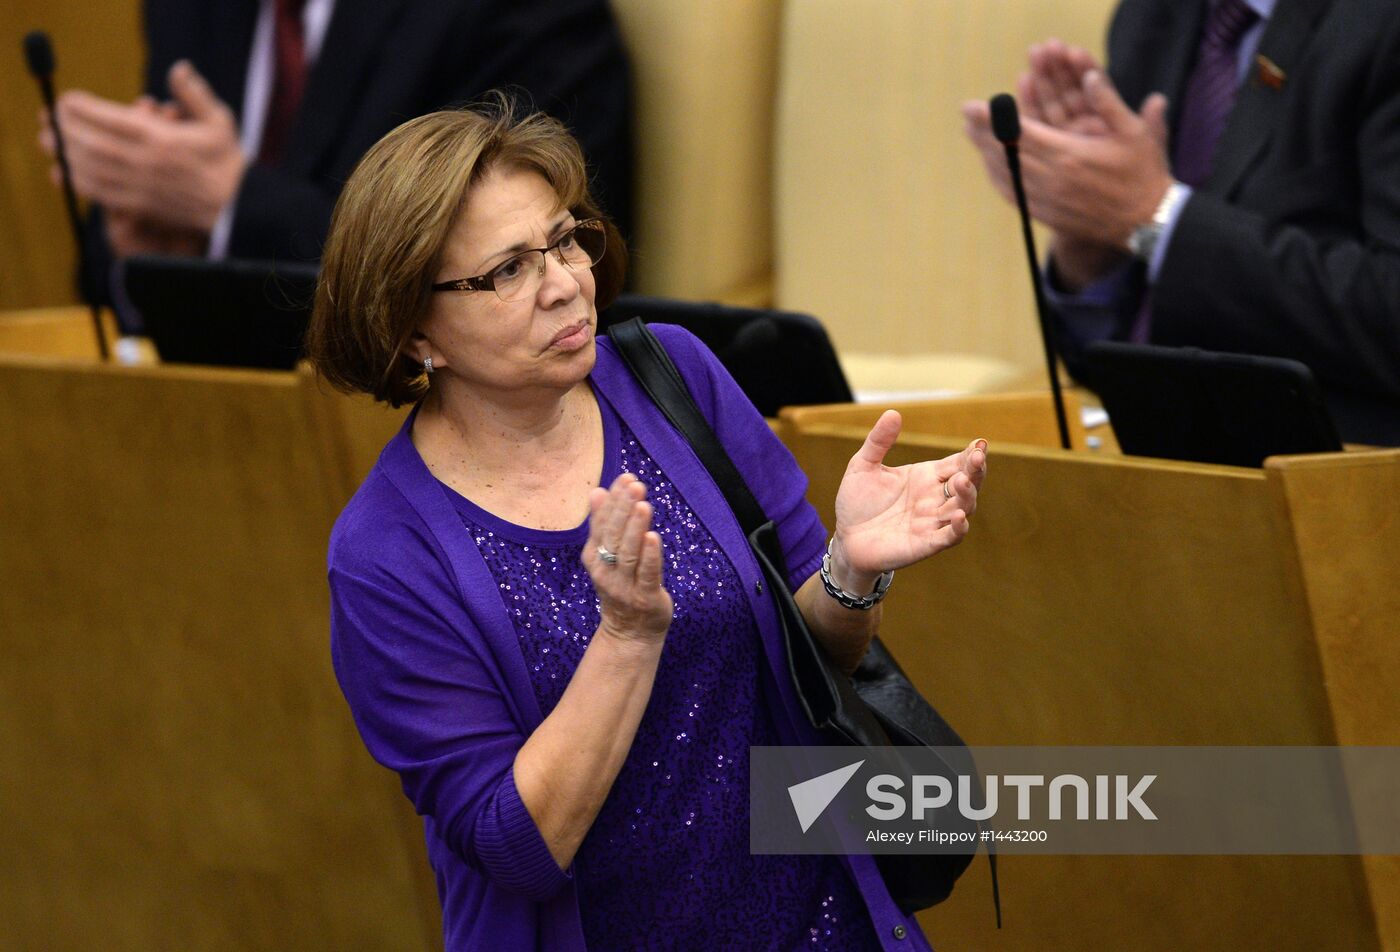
(519, 276)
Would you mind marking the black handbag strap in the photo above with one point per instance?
(653, 368)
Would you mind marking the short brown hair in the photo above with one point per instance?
(392, 221)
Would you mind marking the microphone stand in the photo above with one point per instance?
(39, 54)
(1006, 125)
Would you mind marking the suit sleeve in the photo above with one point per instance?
(430, 709)
(1236, 279)
(282, 216)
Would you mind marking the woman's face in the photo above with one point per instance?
(541, 343)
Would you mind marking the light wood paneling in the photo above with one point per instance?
(704, 81)
(885, 224)
(183, 771)
(54, 332)
(1341, 511)
(1027, 418)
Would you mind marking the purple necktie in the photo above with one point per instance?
(1210, 92)
(1205, 106)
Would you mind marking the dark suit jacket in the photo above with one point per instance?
(1292, 248)
(386, 61)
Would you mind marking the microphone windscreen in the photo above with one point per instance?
(38, 53)
(1006, 121)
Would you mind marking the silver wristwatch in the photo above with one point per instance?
(1143, 241)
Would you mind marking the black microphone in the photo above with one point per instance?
(38, 53)
(1006, 126)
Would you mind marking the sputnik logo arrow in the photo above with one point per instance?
(811, 797)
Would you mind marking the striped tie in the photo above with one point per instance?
(1210, 92)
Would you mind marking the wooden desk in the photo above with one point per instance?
(182, 770)
(1109, 600)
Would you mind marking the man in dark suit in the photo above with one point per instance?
(1266, 222)
(335, 75)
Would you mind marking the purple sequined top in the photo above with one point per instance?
(667, 860)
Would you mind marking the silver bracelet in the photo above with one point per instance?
(858, 602)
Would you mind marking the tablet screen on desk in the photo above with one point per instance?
(232, 313)
(1206, 407)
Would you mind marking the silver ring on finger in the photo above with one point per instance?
(607, 556)
(947, 491)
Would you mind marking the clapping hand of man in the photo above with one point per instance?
(1093, 168)
(162, 172)
(1051, 90)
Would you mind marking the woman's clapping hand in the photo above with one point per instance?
(635, 606)
(888, 517)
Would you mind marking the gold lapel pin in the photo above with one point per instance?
(1270, 73)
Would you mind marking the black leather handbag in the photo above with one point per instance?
(877, 706)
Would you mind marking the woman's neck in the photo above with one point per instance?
(502, 418)
(532, 464)
(497, 434)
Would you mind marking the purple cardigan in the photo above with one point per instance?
(432, 669)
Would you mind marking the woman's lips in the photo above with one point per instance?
(572, 337)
